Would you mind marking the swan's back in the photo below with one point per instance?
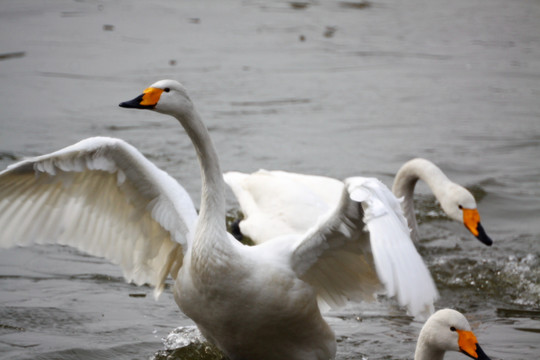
(277, 203)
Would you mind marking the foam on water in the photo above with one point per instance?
(186, 343)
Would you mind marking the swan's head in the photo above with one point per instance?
(449, 330)
(460, 205)
(165, 96)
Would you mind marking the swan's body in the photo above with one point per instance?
(275, 203)
(259, 302)
(447, 330)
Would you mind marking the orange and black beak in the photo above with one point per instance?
(471, 219)
(469, 345)
(147, 100)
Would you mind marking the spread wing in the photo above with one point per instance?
(363, 241)
(103, 197)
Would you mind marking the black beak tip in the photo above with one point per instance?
(235, 230)
(482, 236)
(135, 104)
(481, 354)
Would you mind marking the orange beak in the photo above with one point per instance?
(469, 345)
(471, 219)
(148, 100)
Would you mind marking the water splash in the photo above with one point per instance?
(524, 274)
(187, 343)
(514, 279)
(182, 337)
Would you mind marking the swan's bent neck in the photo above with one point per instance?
(405, 181)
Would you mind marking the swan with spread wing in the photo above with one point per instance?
(253, 302)
(278, 202)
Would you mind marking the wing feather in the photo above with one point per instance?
(397, 261)
(335, 258)
(343, 261)
(102, 197)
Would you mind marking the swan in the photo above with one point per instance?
(278, 202)
(262, 302)
(447, 330)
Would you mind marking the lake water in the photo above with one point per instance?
(331, 88)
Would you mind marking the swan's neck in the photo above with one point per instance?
(426, 352)
(211, 224)
(405, 181)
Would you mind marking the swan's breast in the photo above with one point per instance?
(263, 313)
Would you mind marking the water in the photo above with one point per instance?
(329, 89)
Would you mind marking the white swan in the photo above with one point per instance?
(277, 202)
(447, 330)
(103, 197)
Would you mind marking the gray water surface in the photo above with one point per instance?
(331, 89)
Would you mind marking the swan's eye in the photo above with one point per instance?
(461, 207)
(452, 329)
(167, 89)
